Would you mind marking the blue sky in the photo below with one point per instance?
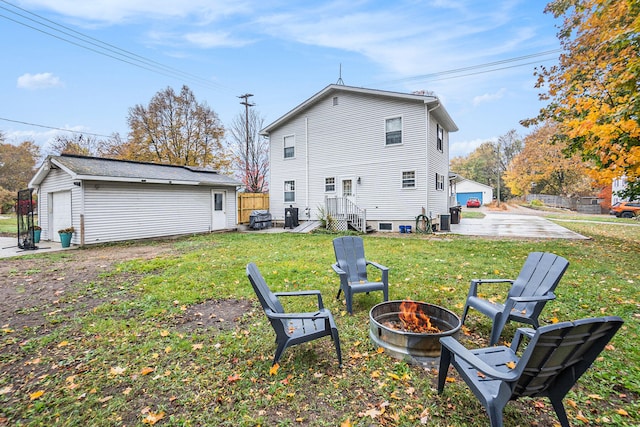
(280, 51)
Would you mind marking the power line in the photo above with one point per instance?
(54, 128)
(102, 48)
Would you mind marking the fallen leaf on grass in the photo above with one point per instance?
(147, 370)
(346, 423)
(126, 391)
(450, 379)
(6, 389)
(63, 344)
(36, 395)
(105, 399)
(622, 412)
(233, 378)
(582, 418)
(117, 370)
(196, 347)
(274, 369)
(164, 333)
(152, 418)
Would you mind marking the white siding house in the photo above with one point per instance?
(109, 200)
(387, 152)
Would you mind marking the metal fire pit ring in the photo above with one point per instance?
(415, 348)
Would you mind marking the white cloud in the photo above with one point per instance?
(488, 97)
(38, 81)
(464, 148)
(208, 40)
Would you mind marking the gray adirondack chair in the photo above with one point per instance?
(555, 358)
(351, 266)
(293, 328)
(528, 295)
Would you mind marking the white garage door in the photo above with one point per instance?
(60, 213)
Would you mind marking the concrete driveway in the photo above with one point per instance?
(516, 223)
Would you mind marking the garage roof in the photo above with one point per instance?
(100, 169)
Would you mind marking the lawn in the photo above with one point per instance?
(129, 358)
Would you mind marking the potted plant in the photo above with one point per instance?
(65, 236)
(37, 230)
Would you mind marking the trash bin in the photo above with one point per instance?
(403, 229)
(260, 219)
(455, 214)
(408, 228)
(291, 217)
(444, 222)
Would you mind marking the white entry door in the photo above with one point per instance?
(218, 212)
(60, 213)
(348, 188)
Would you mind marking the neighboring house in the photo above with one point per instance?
(366, 157)
(109, 200)
(466, 188)
(618, 184)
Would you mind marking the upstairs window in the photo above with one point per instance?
(393, 131)
(440, 138)
(439, 182)
(329, 185)
(409, 179)
(289, 147)
(289, 191)
(335, 100)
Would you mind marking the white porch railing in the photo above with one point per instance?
(341, 212)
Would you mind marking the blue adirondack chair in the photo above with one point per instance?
(351, 266)
(528, 295)
(293, 328)
(555, 358)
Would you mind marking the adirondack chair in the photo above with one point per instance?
(528, 295)
(555, 358)
(293, 328)
(351, 266)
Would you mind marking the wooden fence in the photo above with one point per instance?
(249, 202)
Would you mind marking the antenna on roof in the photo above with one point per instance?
(340, 81)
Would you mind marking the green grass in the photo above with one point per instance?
(221, 377)
(8, 223)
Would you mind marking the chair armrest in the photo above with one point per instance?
(473, 287)
(460, 351)
(548, 297)
(378, 266)
(520, 334)
(337, 269)
(322, 314)
(302, 293)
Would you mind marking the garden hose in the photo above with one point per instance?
(423, 219)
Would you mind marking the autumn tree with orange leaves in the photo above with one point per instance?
(592, 93)
(542, 167)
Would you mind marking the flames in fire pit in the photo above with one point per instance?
(411, 330)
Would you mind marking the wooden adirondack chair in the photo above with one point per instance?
(351, 266)
(553, 361)
(528, 295)
(293, 328)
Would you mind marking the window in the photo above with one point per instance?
(393, 129)
(439, 182)
(335, 100)
(329, 185)
(217, 201)
(289, 191)
(289, 147)
(347, 187)
(385, 226)
(440, 138)
(409, 179)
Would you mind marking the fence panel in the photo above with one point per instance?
(249, 202)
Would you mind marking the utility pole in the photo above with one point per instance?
(246, 104)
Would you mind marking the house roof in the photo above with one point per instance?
(99, 169)
(433, 103)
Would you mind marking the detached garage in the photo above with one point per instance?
(466, 188)
(108, 200)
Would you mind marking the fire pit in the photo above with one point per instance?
(411, 330)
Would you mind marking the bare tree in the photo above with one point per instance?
(250, 150)
(84, 145)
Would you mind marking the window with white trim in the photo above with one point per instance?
(385, 226)
(335, 100)
(289, 191)
(409, 179)
(330, 185)
(439, 182)
(393, 131)
(289, 147)
(440, 138)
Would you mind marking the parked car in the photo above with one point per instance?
(473, 202)
(625, 209)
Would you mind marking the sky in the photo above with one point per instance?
(81, 65)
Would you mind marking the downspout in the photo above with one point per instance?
(427, 211)
(306, 166)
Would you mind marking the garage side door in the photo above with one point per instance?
(60, 213)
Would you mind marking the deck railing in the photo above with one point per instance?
(342, 212)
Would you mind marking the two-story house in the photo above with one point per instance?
(379, 157)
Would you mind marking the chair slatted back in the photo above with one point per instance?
(349, 251)
(266, 297)
(559, 354)
(540, 274)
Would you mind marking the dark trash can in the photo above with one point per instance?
(444, 222)
(455, 214)
(260, 219)
(291, 217)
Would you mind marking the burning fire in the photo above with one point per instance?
(414, 319)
